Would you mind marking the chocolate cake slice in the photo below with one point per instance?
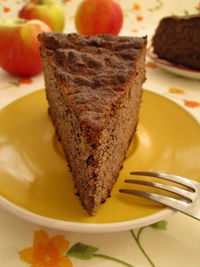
(177, 39)
(93, 86)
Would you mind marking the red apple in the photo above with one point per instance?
(19, 46)
(49, 11)
(99, 16)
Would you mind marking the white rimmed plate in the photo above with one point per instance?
(175, 69)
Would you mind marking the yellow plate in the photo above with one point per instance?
(35, 182)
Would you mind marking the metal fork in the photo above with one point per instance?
(189, 204)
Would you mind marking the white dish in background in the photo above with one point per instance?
(171, 67)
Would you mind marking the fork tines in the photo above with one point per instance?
(189, 204)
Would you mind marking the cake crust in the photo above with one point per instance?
(80, 63)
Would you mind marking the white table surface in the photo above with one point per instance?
(176, 244)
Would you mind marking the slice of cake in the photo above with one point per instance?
(93, 86)
(177, 39)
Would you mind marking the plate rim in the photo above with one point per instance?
(79, 227)
(153, 56)
(84, 227)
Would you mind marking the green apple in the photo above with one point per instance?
(49, 11)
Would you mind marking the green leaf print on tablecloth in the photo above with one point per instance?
(82, 251)
(162, 225)
(158, 5)
(87, 252)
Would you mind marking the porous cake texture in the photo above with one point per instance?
(177, 39)
(94, 88)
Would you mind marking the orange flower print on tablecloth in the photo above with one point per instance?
(6, 9)
(47, 252)
(191, 104)
(134, 30)
(136, 6)
(187, 103)
(173, 90)
(139, 18)
(25, 81)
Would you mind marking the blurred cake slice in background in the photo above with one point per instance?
(177, 40)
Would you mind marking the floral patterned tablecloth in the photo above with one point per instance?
(171, 242)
